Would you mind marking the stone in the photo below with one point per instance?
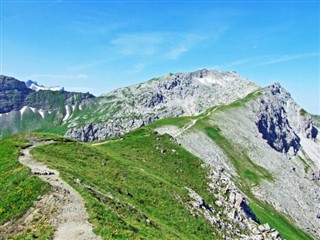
(181, 94)
(264, 227)
(218, 203)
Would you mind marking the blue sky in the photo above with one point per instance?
(98, 46)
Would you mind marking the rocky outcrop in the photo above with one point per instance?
(280, 121)
(12, 94)
(181, 94)
(23, 109)
(231, 213)
(115, 127)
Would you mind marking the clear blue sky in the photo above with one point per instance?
(98, 46)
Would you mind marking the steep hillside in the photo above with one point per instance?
(241, 162)
(144, 186)
(136, 187)
(23, 109)
(181, 94)
(268, 148)
(85, 118)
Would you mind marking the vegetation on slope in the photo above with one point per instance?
(316, 120)
(18, 188)
(249, 173)
(136, 192)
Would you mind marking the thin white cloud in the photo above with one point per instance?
(263, 60)
(177, 52)
(240, 62)
(166, 45)
(184, 43)
(287, 58)
(138, 67)
(145, 44)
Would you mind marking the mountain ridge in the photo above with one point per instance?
(240, 161)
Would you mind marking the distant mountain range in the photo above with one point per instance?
(260, 149)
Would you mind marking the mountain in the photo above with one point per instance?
(85, 118)
(181, 94)
(35, 86)
(268, 146)
(23, 109)
(201, 155)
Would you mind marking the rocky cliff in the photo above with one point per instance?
(181, 94)
(12, 94)
(280, 120)
(23, 109)
(267, 140)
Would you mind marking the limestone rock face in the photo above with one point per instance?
(276, 134)
(12, 94)
(23, 109)
(181, 94)
(280, 121)
(231, 213)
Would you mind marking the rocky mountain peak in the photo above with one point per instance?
(10, 83)
(280, 120)
(12, 94)
(171, 95)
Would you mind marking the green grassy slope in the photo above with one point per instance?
(18, 188)
(147, 187)
(131, 189)
(249, 173)
(316, 120)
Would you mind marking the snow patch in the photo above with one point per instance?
(207, 80)
(67, 113)
(33, 109)
(35, 86)
(73, 107)
(80, 107)
(23, 109)
(41, 112)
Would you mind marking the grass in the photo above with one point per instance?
(241, 102)
(303, 112)
(18, 188)
(316, 120)
(250, 173)
(306, 166)
(267, 214)
(148, 187)
(175, 121)
(135, 191)
(40, 231)
(55, 129)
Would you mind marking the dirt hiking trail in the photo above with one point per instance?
(71, 217)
